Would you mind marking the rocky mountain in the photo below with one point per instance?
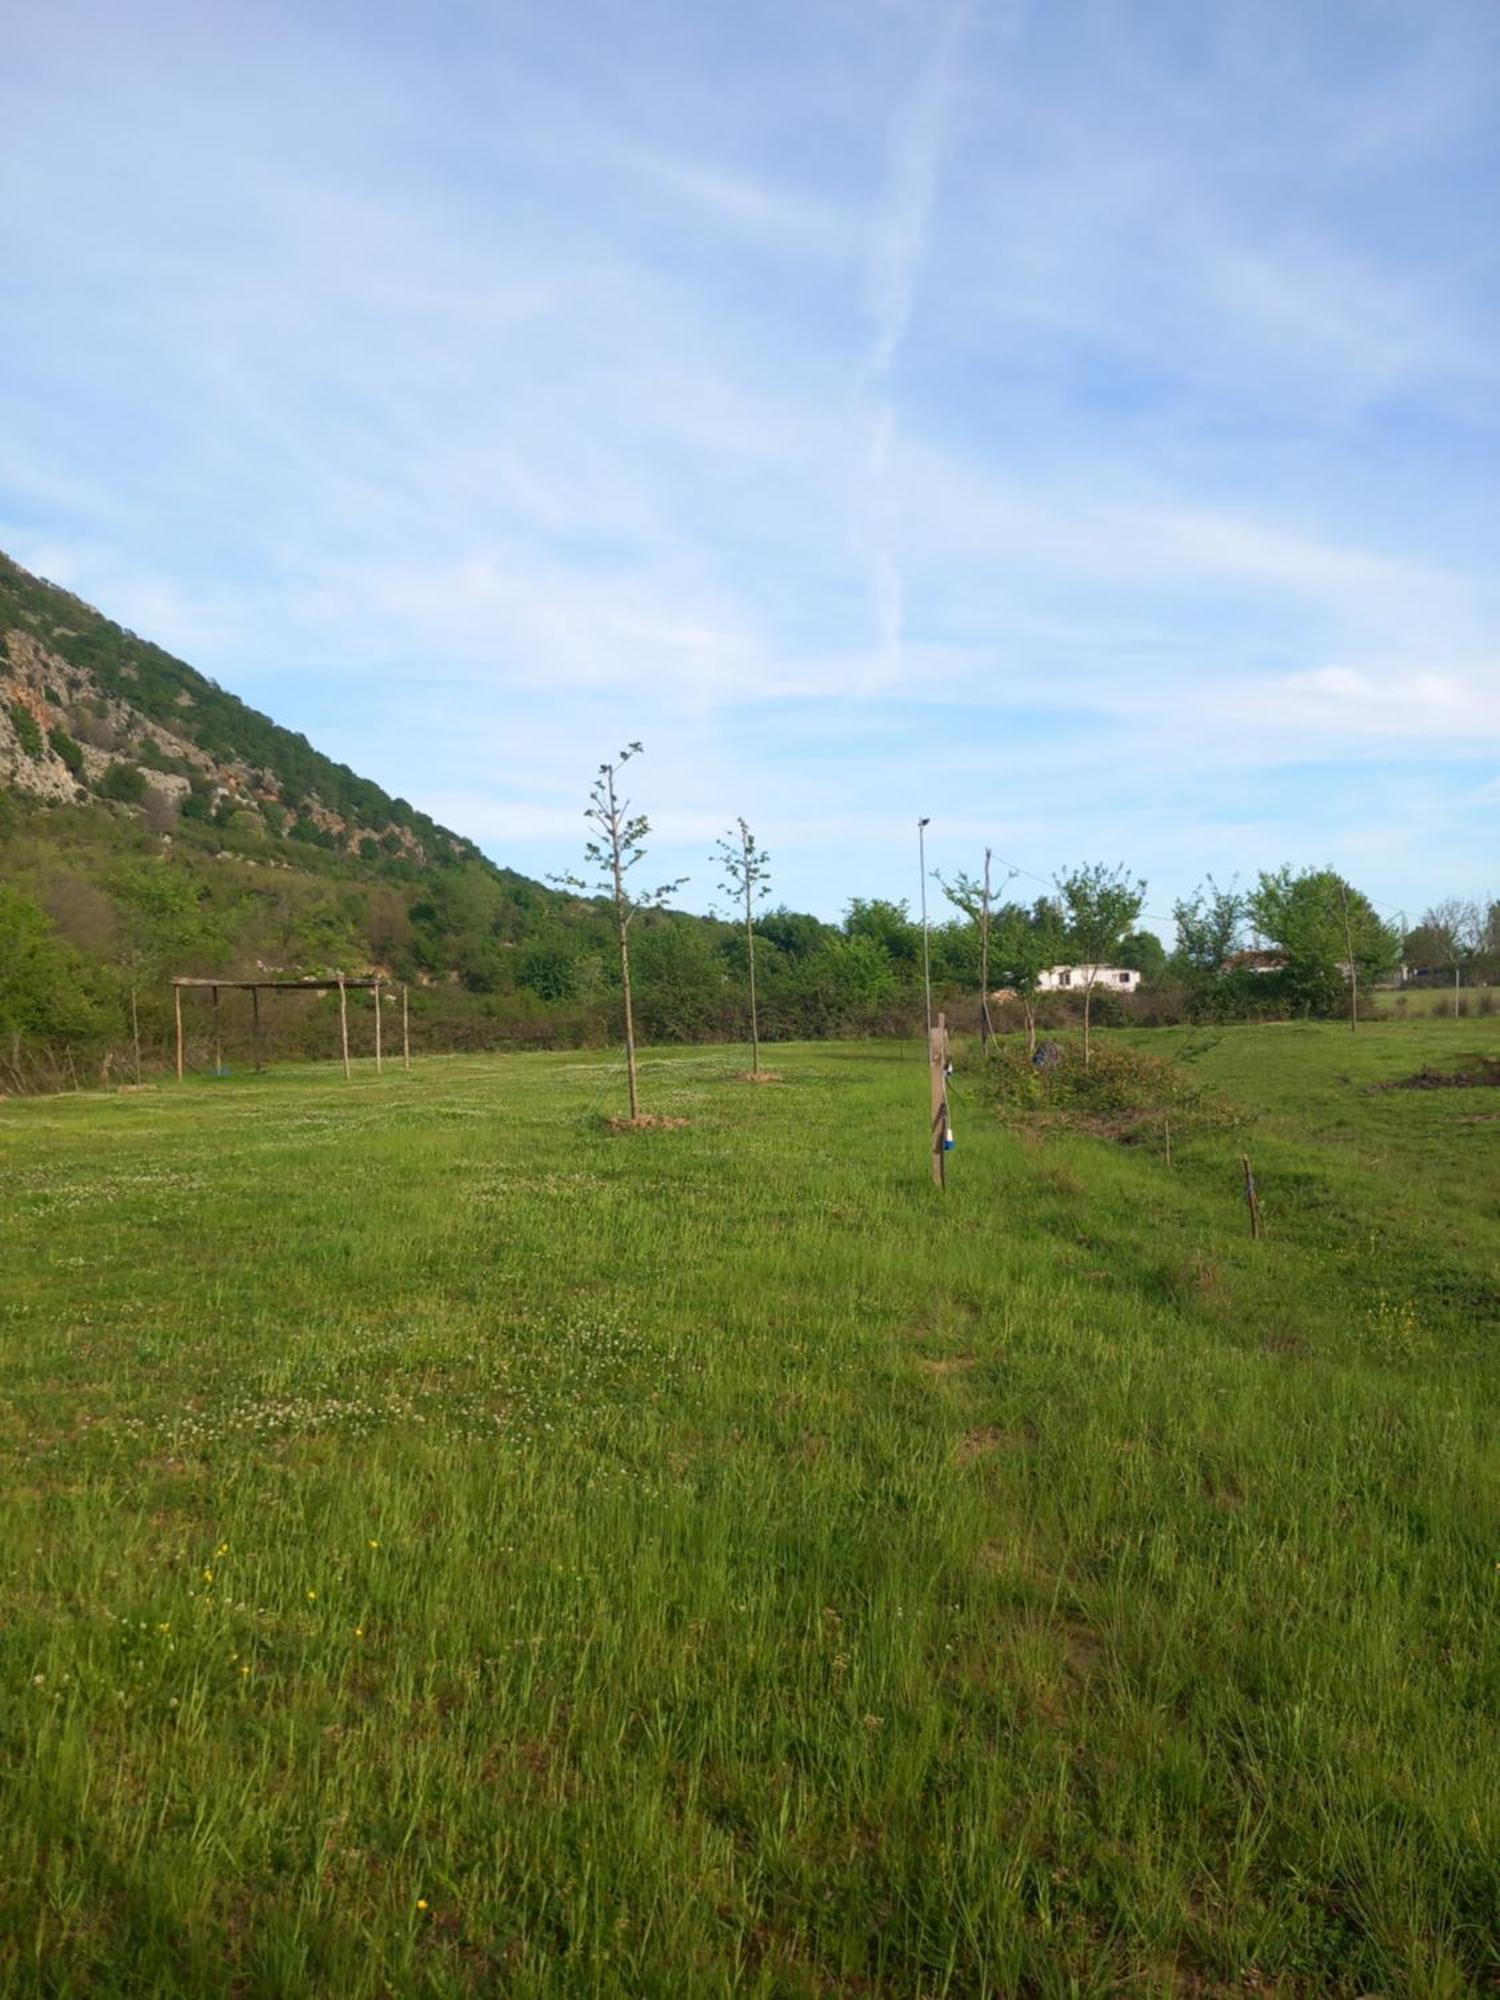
(90, 711)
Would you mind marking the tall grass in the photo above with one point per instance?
(454, 1547)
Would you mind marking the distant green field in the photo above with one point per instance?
(452, 1547)
(1421, 1002)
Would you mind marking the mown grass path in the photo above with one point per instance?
(452, 1547)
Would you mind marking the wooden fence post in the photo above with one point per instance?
(218, 1038)
(344, 1024)
(405, 1034)
(255, 1019)
(937, 1065)
(379, 1068)
(1252, 1199)
(177, 1008)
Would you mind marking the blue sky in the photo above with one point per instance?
(1079, 423)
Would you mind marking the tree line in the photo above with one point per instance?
(95, 917)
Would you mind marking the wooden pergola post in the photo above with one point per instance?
(217, 986)
(405, 1034)
(344, 1024)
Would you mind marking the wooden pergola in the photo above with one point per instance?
(255, 987)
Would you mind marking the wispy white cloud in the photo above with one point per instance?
(898, 243)
(842, 398)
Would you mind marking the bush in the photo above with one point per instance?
(70, 751)
(125, 783)
(1123, 1094)
(28, 731)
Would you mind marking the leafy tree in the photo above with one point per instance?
(548, 969)
(792, 932)
(1145, 953)
(1489, 940)
(888, 925)
(1209, 926)
(45, 988)
(618, 844)
(747, 879)
(682, 981)
(1100, 906)
(1208, 929)
(1327, 930)
(973, 897)
(1024, 944)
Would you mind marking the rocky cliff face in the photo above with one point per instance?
(87, 711)
(67, 704)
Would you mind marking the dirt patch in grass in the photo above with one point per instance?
(1484, 1075)
(758, 1076)
(647, 1123)
(951, 1364)
(984, 1443)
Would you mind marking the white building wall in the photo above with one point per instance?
(1103, 979)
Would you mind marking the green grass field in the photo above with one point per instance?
(452, 1547)
(1419, 1002)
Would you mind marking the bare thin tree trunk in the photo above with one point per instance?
(623, 920)
(135, 1034)
(635, 1096)
(986, 1027)
(1088, 1002)
(750, 948)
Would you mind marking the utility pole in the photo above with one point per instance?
(922, 826)
(1350, 967)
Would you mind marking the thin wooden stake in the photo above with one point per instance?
(177, 1007)
(937, 1065)
(135, 1032)
(405, 1034)
(218, 1038)
(344, 1024)
(379, 1070)
(1166, 1131)
(255, 1020)
(1252, 1199)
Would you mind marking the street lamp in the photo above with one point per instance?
(922, 825)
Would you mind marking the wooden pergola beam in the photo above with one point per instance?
(255, 987)
(285, 985)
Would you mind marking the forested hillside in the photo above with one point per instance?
(152, 824)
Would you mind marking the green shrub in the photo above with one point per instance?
(66, 748)
(125, 783)
(1123, 1093)
(28, 731)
